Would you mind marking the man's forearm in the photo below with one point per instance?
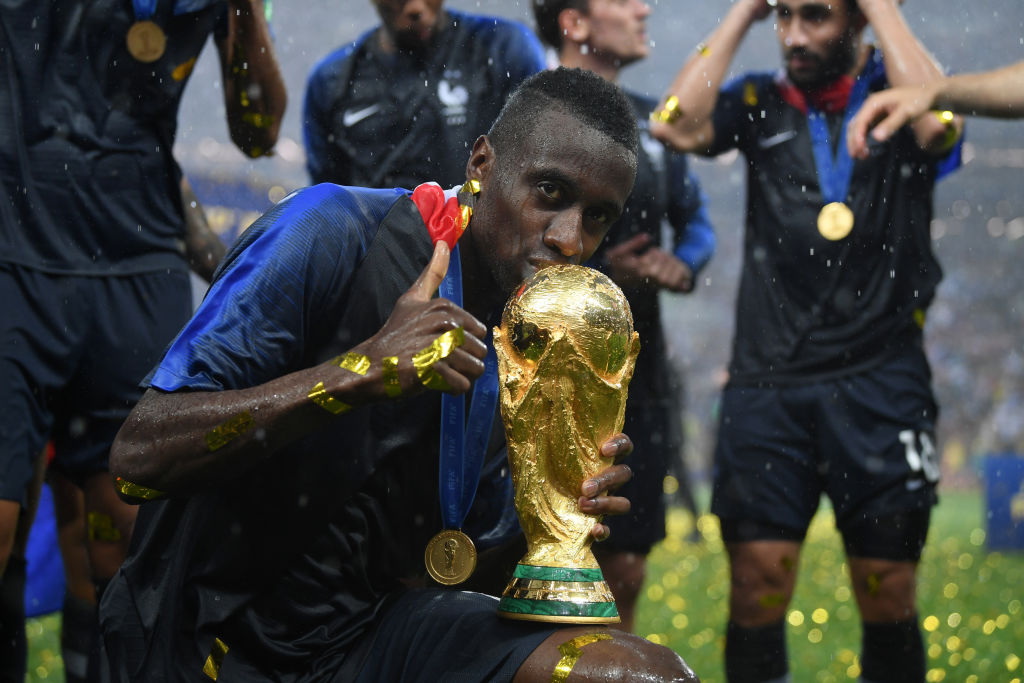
(998, 93)
(907, 62)
(254, 90)
(697, 84)
(180, 442)
(203, 247)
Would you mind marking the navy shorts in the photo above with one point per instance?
(73, 350)
(443, 635)
(866, 440)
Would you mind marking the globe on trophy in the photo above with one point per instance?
(566, 352)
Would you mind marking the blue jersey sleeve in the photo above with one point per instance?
(270, 297)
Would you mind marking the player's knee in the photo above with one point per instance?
(761, 590)
(885, 591)
(603, 655)
(9, 513)
(624, 572)
(626, 657)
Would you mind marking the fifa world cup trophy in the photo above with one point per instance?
(566, 351)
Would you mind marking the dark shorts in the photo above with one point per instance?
(73, 350)
(654, 442)
(442, 635)
(866, 440)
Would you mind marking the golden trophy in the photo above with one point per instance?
(566, 351)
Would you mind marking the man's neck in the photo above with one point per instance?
(577, 55)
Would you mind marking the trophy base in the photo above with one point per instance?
(558, 594)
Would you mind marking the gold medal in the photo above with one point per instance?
(450, 557)
(146, 41)
(835, 221)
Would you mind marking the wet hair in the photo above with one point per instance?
(545, 13)
(582, 94)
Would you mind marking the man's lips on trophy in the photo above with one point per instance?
(535, 264)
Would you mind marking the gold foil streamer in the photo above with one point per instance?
(439, 349)
(257, 120)
(101, 528)
(772, 600)
(703, 50)
(136, 491)
(389, 370)
(566, 350)
(354, 362)
(948, 119)
(473, 185)
(465, 213)
(215, 659)
(222, 435)
(750, 94)
(182, 71)
(319, 396)
(670, 112)
(571, 652)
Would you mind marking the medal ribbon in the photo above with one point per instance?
(834, 174)
(463, 446)
(144, 9)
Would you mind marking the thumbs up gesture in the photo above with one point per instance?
(444, 338)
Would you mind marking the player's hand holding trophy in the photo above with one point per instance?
(566, 351)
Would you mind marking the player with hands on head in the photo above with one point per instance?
(837, 277)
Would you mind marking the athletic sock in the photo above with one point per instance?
(13, 646)
(892, 653)
(77, 637)
(756, 655)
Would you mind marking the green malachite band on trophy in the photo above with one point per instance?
(527, 571)
(554, 608)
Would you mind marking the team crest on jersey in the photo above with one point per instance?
(453, 97)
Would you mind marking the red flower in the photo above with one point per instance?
(444, 219)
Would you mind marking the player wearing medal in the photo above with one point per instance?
(829, 388)
(93, 274)
(403, 103)
(606, 36)
(293, 427)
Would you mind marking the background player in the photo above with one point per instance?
(91, 260)
(829, 385)
(403, 104)
(604, 36)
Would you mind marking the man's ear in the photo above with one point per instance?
(573, 26)
(481, 160)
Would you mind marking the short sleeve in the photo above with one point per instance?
(275, 291)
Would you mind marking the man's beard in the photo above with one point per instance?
(838, 61)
